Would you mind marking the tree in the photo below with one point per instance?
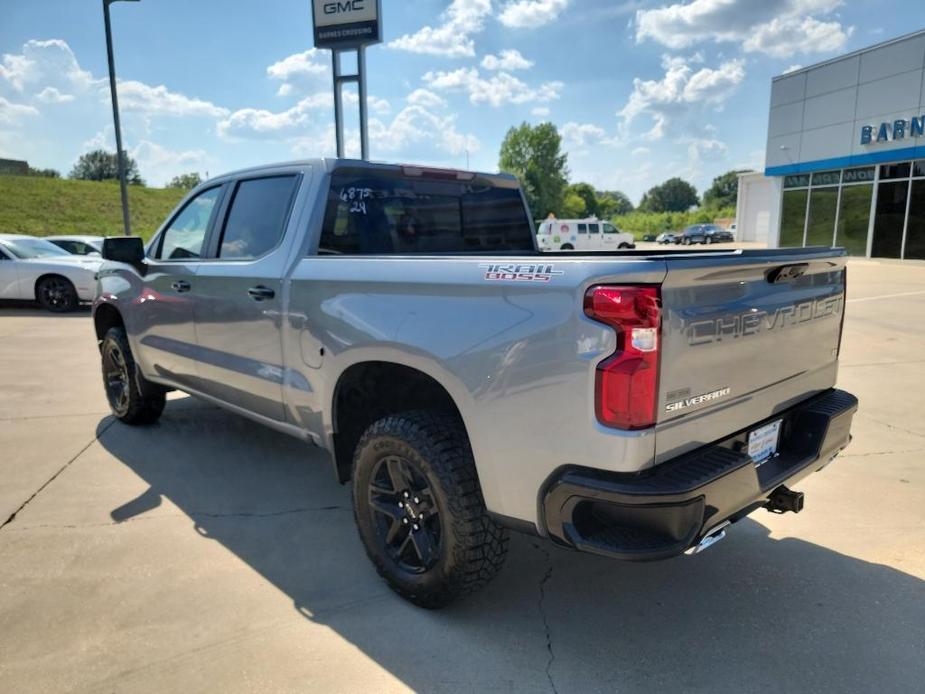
(100, 165)
(724, 191)
(186, 181)
(586, 193)
(573, 206)
(534, 155)
(612, 203)
(44, 173)
(674, 195)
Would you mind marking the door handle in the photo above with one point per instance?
(181, 286)
(260, 293)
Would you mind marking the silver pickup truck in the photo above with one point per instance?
(632, 404)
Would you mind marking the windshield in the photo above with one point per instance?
(33, 248)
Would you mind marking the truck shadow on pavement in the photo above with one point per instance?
(751, 614)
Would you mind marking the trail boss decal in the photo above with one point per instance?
(684, 404)
(529, 272)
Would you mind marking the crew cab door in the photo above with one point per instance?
(163, 315)
(239, 295)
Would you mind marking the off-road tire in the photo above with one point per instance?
(132, 399)
(471, 547)
(56, 294)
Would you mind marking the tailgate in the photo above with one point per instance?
(744, 337)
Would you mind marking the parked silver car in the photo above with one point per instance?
(79, 245)
(33, 269)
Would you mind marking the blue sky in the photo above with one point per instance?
(641, 91)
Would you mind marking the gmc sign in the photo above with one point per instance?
(346, 23)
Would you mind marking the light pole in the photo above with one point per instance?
(120, 155)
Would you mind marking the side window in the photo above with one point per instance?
(594, 228)
(582, 228)
(257, 217)
(610, 229)
(184, 237)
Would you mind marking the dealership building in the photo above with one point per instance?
(845, 161)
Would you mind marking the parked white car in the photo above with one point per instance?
(581, 235)
(35, 269)
(79, 245)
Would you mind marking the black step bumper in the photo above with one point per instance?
(667, 509)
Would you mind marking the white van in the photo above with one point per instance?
(581, 235)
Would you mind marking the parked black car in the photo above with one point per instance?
(705, 233)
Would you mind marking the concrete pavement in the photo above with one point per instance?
(209, 554)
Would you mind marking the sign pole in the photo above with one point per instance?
(120, 153)
(338, 103)
(361, 77)
(348, 25)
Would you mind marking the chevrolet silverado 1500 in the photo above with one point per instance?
(632, 404)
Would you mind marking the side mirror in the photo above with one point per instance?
(125, 249)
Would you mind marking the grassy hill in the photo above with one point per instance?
(46, 206)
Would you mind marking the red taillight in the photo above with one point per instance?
(626, 385)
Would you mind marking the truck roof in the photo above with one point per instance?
(331, 163)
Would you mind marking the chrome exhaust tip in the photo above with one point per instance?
(711, 538)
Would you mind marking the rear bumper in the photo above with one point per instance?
(671, 507)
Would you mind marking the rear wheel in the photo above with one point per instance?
(56, 294)
(124, 385)
(686, 241)
(708, 240)
(567, 247)
(623, 245)
(419, 509)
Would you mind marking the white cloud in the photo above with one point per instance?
(425, 98)
(776, 27)
(781, 38)
(581, 134)
(299, 70)
(257, 123)
(415, 124)
(11, 113)
(540, 111)
(453, 37)
(501, 88)
(141, 97)
(159, 164)
(641, 151)
(298, 65)
(528, 14)
(509, 59)
(793, 68)
(50, 62)
(51, 95)
(681, 89)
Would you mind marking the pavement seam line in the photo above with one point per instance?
(191, 515)
(540, 607)
(55, 476)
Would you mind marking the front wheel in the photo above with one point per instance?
(131, 398)
(623, 246)
(566, 247)
(708, 240)
(686, 242)
(419, 509)
(56, 294)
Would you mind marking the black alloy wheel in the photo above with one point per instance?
(405, 514)
(116, 378)
(56, 294)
